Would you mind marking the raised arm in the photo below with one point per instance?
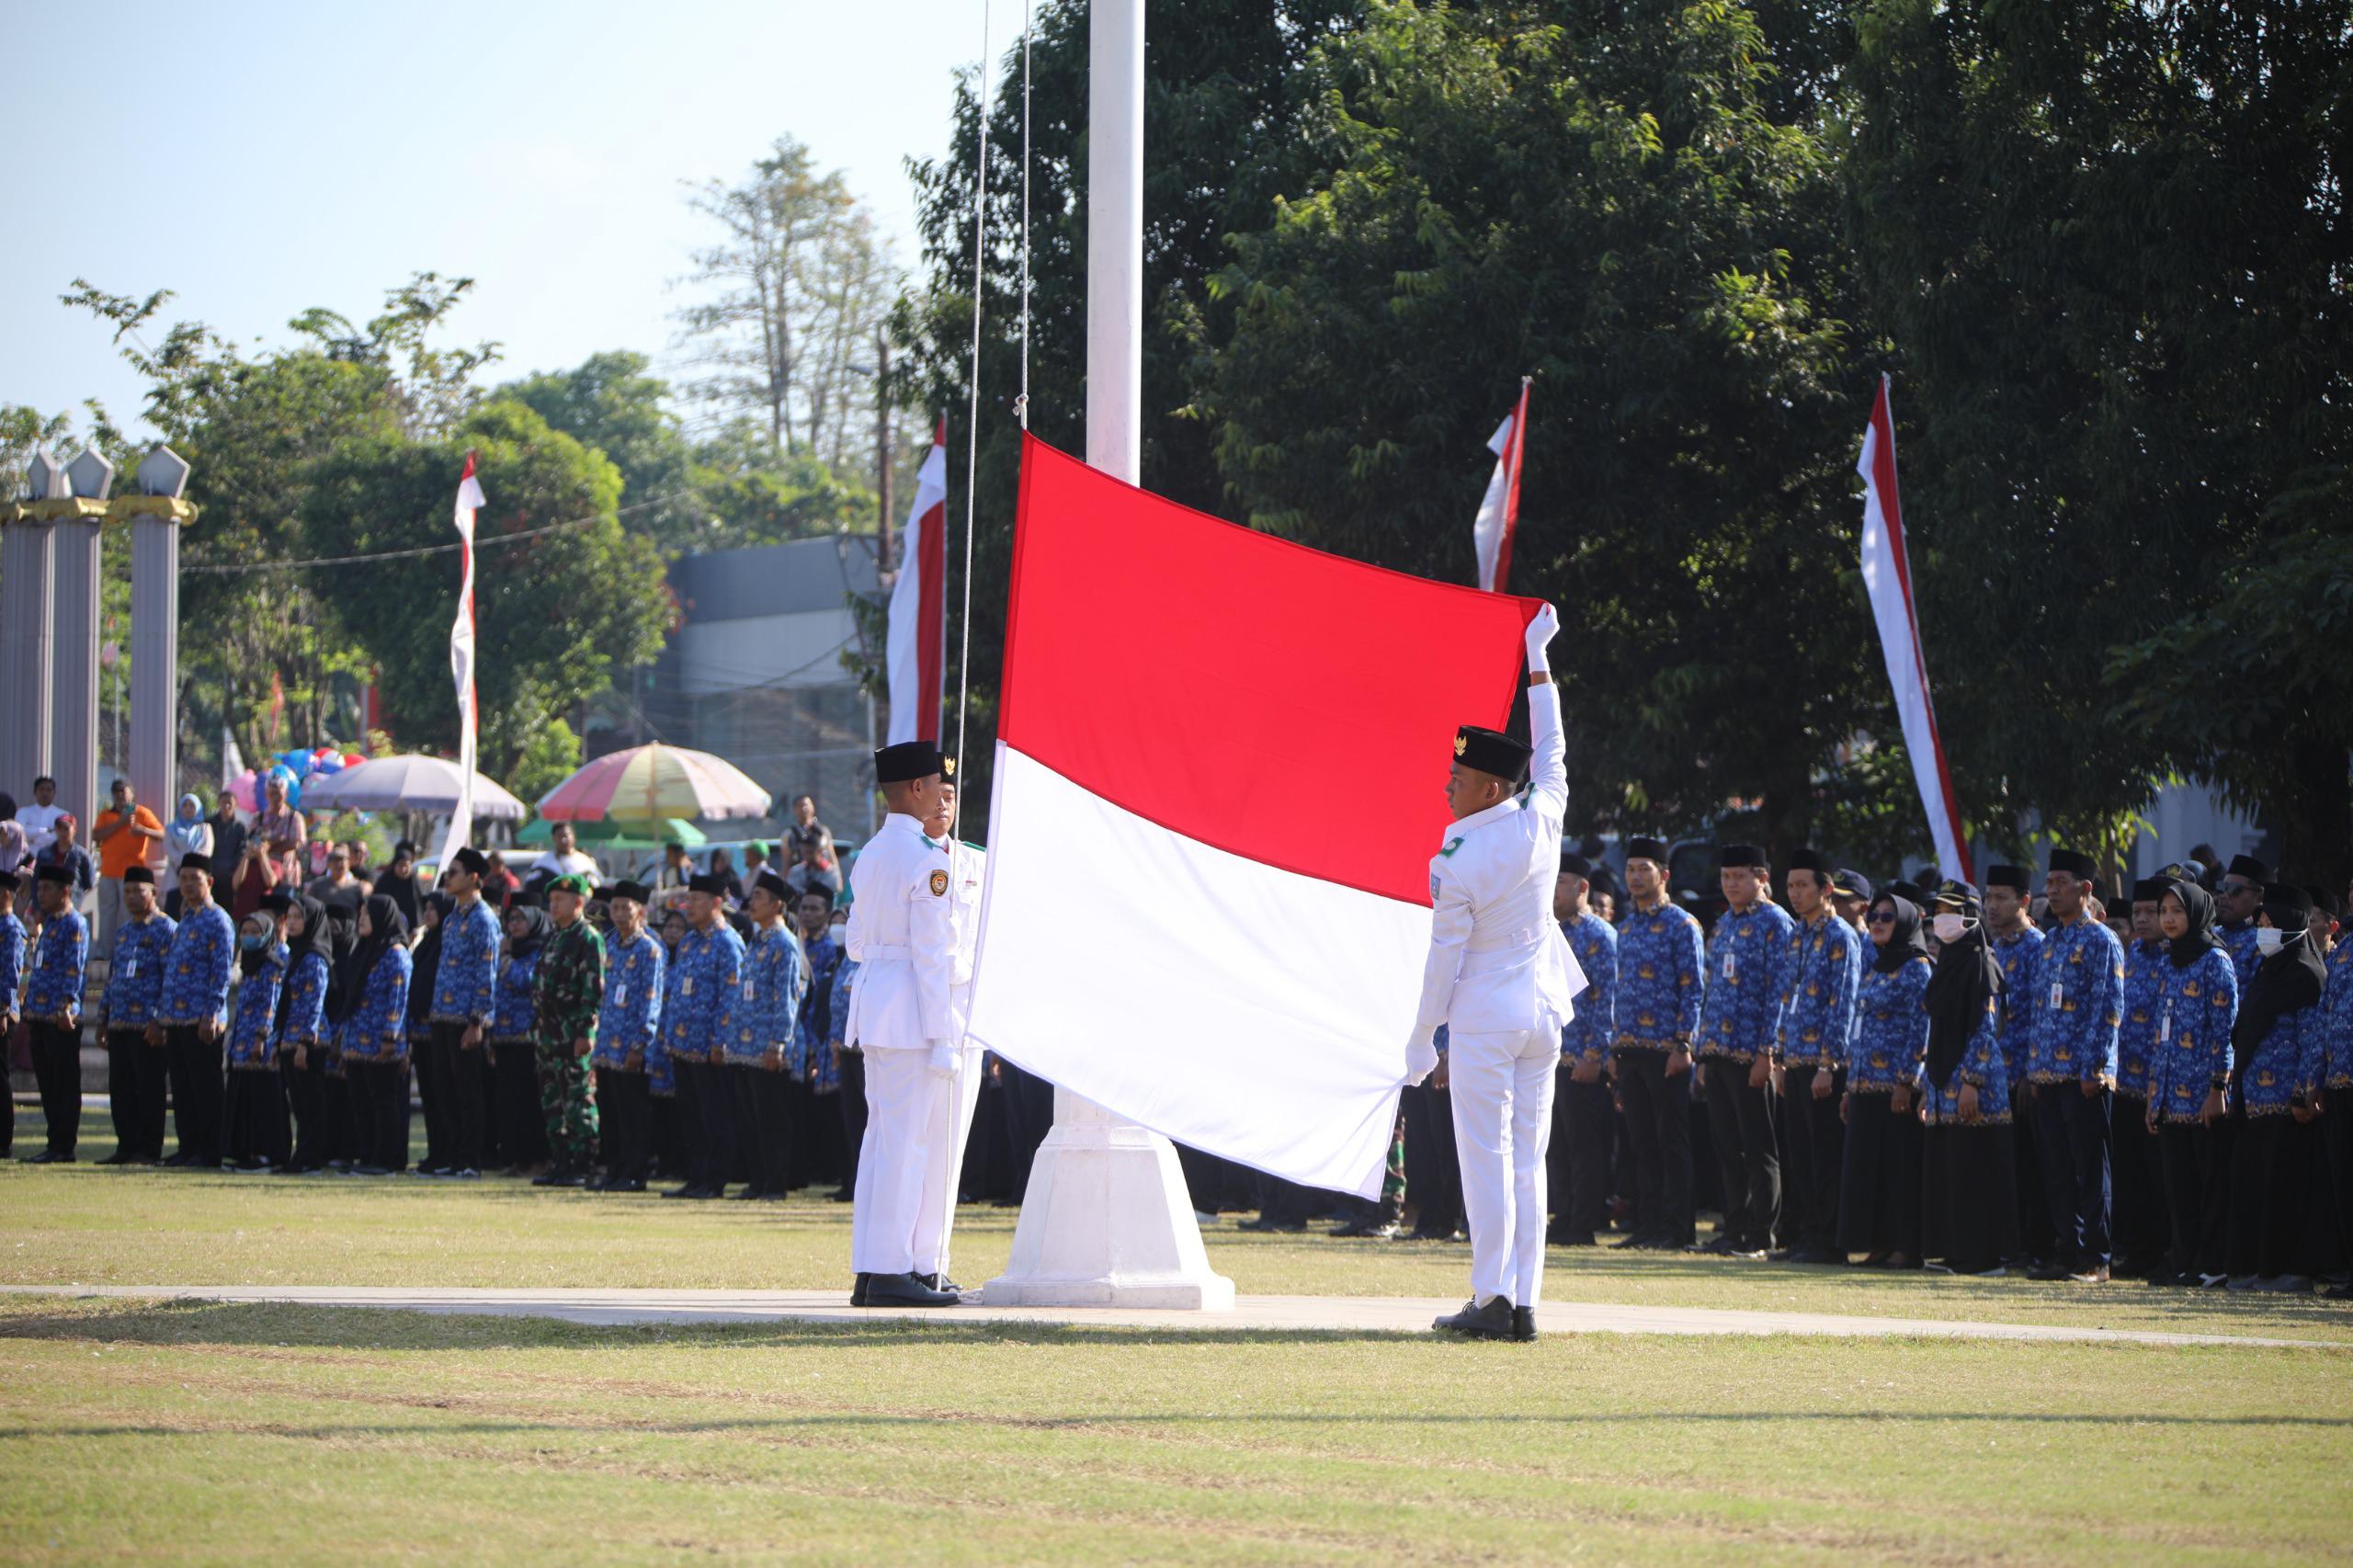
(1548, 768)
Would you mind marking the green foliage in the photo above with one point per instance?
(550, 756)
(555, 614)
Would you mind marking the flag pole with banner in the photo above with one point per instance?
(461, 668)
(912, 662)
(1499, 518)
(1887, 576)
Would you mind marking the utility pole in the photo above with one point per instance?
(882, 461)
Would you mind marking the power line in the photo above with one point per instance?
(241, 567)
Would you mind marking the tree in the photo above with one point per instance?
(609, 403)
(555, 614)
(802, 282)
(2110, 239)
(1599, 195)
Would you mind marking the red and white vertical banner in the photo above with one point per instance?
(1499, 509)
(1887, 576)
(915, 648)
(461, 666)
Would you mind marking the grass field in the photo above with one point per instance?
(159, 1431)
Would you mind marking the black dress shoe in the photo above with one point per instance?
(2047, 1272)
(690, 1190)
(48, 1157)
(857, 1289)
(939, 1282)
(753, 1195)
(1491, 1321)
(632, 1185)
(1523, 1324)
(119, 1157)
(177, 1159)
(905, 1290)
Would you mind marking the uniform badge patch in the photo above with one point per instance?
(1461, 745)
(939, 884)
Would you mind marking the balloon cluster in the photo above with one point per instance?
(295, 769)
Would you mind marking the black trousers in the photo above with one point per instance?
(2071, 1134)
(763, 1113)
(1970, 1216)
(2263, 1199)
(255, 1129)
(1879, 1193)
(2035, 1236)
(707, 1109)
(1433, 1172)
(2337, 1127)
(459, 1086)
(57, 1069)
(1658, 1126)
(427, 1056)
(624, 1123)
(135, 1092)
(379, 1093)
(1029, 1116)
(339, 1109)
(1748, 1150)
(1816, 1140)
(306, 1092)
(2142, 1231)
(1578, 1158)
(522, 1130)
(853, 1113)
(195, 1068)
(2197, 1191)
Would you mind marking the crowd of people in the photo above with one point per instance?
(2011, 1077)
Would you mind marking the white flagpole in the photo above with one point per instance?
(461, 668)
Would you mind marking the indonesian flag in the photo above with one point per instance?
(1499, 509)
(1887, 574)
(919, 604)
(461, 666)
(1219, 786)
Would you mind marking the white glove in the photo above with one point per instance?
(943, 1059)
(1421, 1060)
(1542, 630)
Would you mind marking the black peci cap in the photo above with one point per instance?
(1490, 750)
(908, 761)
(2007, 877)
(1740, 857)
(2075, 863)
(1642, 849)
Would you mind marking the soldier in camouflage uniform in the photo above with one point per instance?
(566, 992)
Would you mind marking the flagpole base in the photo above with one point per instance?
(1108, 1222)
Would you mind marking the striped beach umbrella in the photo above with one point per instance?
(650, 782)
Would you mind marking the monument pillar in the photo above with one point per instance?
(74, 712)
(27, 578)
(155, 514)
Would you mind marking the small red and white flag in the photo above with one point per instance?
(1219, 782)
(461, 665)
(1498, 517)
(914, 650)
(1887, 576)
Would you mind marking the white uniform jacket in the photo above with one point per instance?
(1498, 961)
(914, 914)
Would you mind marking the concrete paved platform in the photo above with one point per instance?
(1336, 1314)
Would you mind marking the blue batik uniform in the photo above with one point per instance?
(828, 1076)
(1747, 977)
(143, 950)
(196, 980)
(2136, 1036)
(58, 962)
(1659, 983)
(2246, 952)
(1822, 966)
(252, 1038)
(1894, 1038)
(2079, 1003)
(2020, 960)
(306, 1001)
(628, 1018)
(1982, 1064)
(2285, 1065)
(2336, 1044)
(465, 991)
(765, 1013)
(809, 1029)
(2196, 1008)
(377, 1029)
(512, 1020)
(1590, 1029)
(12, 963)
(701, 989)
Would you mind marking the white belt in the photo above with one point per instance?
(876, 953)
(1525, 937)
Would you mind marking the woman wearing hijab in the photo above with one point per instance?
(1971, 1220)
(1879, 1191)
(2275, 1046)
(2189, 1082)
(514, 1063)
(426, 969)
(375, 1040)
(310, 972)
(256, 1136)
(343, 993)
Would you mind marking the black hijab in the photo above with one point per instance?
(1906, 943)
(537, 929)
(2288, 981)
(1966, 975)
(427, 960)
(342, 996)
(388, 928)
(2198, 906)
(315, 938)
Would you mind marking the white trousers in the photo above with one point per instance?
(908, 1166)
(1502, 1089)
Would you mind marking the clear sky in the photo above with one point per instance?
(262, 158)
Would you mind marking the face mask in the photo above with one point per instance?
(250, 941)
(2267, 939)
(1950, 927)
